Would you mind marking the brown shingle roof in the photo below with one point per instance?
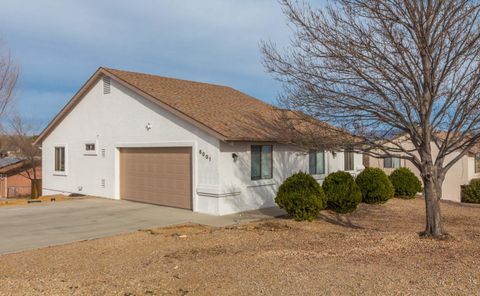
(225, 110)
(229, 113)
(443, 134)
(233, 114)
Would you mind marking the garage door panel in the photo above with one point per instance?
(157, 175)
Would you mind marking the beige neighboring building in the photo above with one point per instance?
(464, 170)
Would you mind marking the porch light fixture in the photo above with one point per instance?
(235, 157)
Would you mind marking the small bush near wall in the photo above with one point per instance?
(471, 192)
(405, 183)
(375, 186)
(301, 196)
(343, 194)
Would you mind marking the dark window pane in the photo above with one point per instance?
(266, 162)
(256, 162)
(387, 162)
(62, 159)
(56, 158)
(312, 162)
(477, 163)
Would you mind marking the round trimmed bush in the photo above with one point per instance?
(343, 194)
(471, 192)
(405, 183)
(375, 186)
(301, 196)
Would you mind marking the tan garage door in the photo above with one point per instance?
(160, 176)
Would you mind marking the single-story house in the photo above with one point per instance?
(15, 177)
(204, 147)
(464, 170)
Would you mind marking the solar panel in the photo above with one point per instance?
(6, 161)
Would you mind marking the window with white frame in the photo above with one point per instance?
(391, 162)
(477, 163)
(90, 148)
(60, 158)
(316, 162)
(261, 162)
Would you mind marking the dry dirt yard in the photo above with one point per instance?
(374, 251)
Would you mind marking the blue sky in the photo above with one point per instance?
(59, 44)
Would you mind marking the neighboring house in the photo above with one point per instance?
(198, 146)
(466, 169)
(14, 172)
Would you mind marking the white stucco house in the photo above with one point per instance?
(198, 146)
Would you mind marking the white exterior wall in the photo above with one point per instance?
(237, 192)
(117, 120)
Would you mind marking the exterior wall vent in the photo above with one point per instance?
(103, 152)
(106, 85)
(102, 184)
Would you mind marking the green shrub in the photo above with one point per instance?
(301, 196)
(375, 186)
(471, 192)
(343, 194)
(405, 183)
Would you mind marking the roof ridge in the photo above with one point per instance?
(166, 77)
(192, 81)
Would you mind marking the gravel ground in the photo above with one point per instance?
(374, 251)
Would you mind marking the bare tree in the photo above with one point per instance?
(386, 67)
(21, 137)
(8, 79)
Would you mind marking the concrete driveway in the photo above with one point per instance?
(40, 225)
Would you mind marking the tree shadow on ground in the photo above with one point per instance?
(342, 220)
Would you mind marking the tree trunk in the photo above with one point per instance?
(34, 180)
(433, 192)
(34, 188)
